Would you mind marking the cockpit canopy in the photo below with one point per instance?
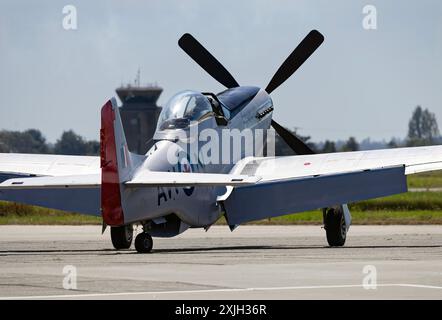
(183, 108)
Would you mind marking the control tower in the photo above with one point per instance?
(139, 114)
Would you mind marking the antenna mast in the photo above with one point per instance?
(138, 78)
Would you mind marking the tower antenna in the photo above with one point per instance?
(138, 78)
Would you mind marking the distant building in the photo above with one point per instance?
(139, 114)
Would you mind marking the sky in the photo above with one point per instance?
(362, 83)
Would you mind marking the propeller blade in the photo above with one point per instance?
(297, 145)
(301, 53)
(206, 60)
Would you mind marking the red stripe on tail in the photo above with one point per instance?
(111, 210)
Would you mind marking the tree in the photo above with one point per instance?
(422, 128)
(329, 146)
(393, 143)
(37, 141)
(33, 141)
(350, 145)
(283, 149)
(29, 141)
(3, 147)
(93, 148)
(72, 144)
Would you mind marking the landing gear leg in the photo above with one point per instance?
(143, 242)
(335, 227)
(122, 237)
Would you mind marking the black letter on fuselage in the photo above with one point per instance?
(161, 194)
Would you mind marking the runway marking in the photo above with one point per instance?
(91, 295)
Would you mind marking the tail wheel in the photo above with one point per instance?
(122, 237)
(143, 243)
(335, 227)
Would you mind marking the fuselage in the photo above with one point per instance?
(189, 146)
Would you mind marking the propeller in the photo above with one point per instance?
(301, 53)
(213, 67)
(206, 61)
(296, 144)
(298, 56)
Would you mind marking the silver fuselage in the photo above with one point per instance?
(194, 206)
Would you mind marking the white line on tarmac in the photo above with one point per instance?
(97, 295)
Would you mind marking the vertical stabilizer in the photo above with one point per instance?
(116, 164)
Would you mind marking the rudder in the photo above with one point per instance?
(116, 164)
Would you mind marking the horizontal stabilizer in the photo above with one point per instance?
(48, 164)
(143, 179)
(61, 182)
(156, 178)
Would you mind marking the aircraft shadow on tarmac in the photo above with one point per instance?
(201, 250)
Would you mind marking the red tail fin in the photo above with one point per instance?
(111, 209)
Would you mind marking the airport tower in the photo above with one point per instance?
(139, 114)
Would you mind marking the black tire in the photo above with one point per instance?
(122, 237)
(143, 243)
(335, 228)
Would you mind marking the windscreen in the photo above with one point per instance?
(183, 108)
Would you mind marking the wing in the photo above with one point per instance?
(418, 159)
(257, 187)
(299, 183)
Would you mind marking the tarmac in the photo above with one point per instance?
(253, 262)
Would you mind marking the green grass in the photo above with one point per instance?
(383, 217)
(425, 180)
(363, 218)
(402, 202)
(60, 219)
(407, 208)
(13, 213)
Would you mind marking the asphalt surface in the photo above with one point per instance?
(253, 262)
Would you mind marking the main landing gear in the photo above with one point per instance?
(335, 227)
(122, 236)
(122, 239)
